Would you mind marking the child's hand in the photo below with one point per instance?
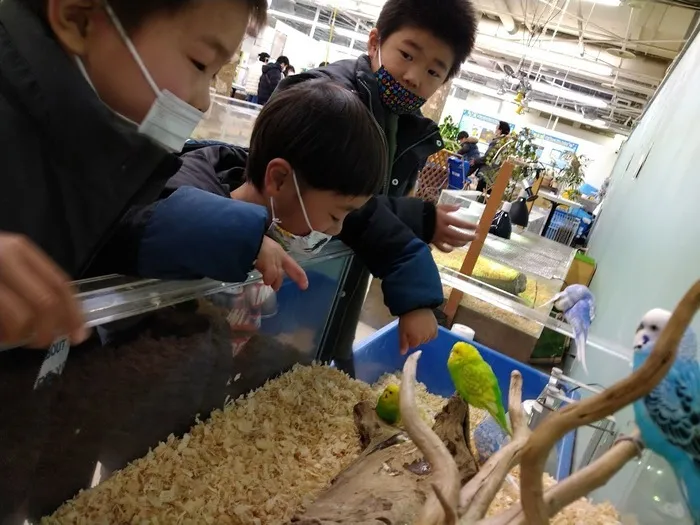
(446, 236)
(273, 263)
(416, 328)
(37, 302)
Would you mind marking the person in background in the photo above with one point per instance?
(289, 71)
(500, 136)
(271, 76)
(323, 64)
(253, 77)
(469, 149)
(89, 139)
(414, 49)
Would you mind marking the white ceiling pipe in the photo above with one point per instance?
(506, 17)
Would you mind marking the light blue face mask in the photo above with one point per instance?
(170, 120)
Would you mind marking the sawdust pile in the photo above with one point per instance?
(259, 460)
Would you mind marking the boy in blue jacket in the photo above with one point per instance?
(300, 185)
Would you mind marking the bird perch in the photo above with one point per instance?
(532, 449)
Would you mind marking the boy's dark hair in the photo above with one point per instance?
(132, 13)
(504, 127)
(283, 60)
(323, 64)
(452, 21)
(462, 135)
(294, 125)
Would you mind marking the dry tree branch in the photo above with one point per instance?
(450, 512)
(444, 468)
(477, 495)
(575, 486)
(621, 394)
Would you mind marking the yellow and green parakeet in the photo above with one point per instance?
(388, 404)
(475, 381)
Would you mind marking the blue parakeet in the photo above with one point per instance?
(669, 417)
(578, 306)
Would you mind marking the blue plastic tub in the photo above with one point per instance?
(379, 354)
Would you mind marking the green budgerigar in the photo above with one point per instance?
(475, 381)
(388, 404)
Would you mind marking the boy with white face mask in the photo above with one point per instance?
(93, 97)
(316, 185)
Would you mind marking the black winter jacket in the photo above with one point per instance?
(418, 137)
(271, 76)
(69, 167)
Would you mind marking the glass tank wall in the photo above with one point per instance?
(646, 246)
(161, 353)
(228, 120)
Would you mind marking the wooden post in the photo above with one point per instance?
(492, 206)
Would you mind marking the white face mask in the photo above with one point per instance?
(170, 121)
(298, 244)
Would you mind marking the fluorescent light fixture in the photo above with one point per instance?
(477, 88)
(567, 114)
(482, 71)
(558, 91)
(545, 56)
(541, 87)
(610, 3)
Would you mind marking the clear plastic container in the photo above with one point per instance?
(162, 354)
(228, 120)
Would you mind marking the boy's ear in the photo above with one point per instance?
(71, 21)
(277, 174)
(373, 43)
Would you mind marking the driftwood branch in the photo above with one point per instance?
(595, 408)
(577, 485)
(447, 478)
(477, 495)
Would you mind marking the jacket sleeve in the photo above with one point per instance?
(194, 231)
(391, 251)
(417, 214)
(194, 234)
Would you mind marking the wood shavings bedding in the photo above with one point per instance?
(259, 460)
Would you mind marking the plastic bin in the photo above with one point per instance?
(563, 227)
(457, 178)
(379, 354)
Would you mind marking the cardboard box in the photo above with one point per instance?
(582, 271)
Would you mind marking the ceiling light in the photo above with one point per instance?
(568, 114)
(477, 88)
(545, 56)
(558, 91)
(541, 87)
(609, 3)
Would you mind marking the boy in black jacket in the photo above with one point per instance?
(414, 49)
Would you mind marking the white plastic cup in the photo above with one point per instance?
(463, 331)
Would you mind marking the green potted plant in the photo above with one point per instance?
(449, 131)
(572, 175)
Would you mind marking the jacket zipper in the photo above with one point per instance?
(396, 159)
(385, 186)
